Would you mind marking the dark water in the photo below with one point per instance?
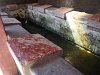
(84, 61)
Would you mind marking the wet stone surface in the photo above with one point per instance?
(84, 61)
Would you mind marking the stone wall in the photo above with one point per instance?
(4, 2)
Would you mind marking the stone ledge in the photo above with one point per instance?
(41, 8)
(61, 12)
(54, 66)
(50, 10)
(15, 30)
(10, 21)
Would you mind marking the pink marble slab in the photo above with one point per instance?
(10, 21)
(31, 48)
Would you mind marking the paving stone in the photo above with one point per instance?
(30, 49)
(55, 66)
(10, 21)
(41, 8)
(15, 30)
(60, 12)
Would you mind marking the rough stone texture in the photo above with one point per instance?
(79, 22)
(51, 23)
(75, 27)
(55, 66)
(30, 49)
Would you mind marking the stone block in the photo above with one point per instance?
(41, 8)
(3, 14)
(15, 30)
(84, 31)
(94, 22)
(30, 49)
(10, 21)
(93, 25)
(50, 10)
(52, 23)
(55, 66)
(61, 12)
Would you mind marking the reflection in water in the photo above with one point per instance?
(83, 60)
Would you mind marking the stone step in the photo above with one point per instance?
(61, 12)
(41, 8)
(30, 49)
(10, 21)
(50, 22)
(50, 10)
(55, 66)
(15, 30)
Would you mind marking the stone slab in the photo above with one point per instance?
(50, 10)
(3, 14)
(55, 66)
(84, 31)
(52, 23)
(94, 22)
(93, 25)
(41, 8)
(60, 12)
(10, 21)
(30, 49)
(15, 30)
